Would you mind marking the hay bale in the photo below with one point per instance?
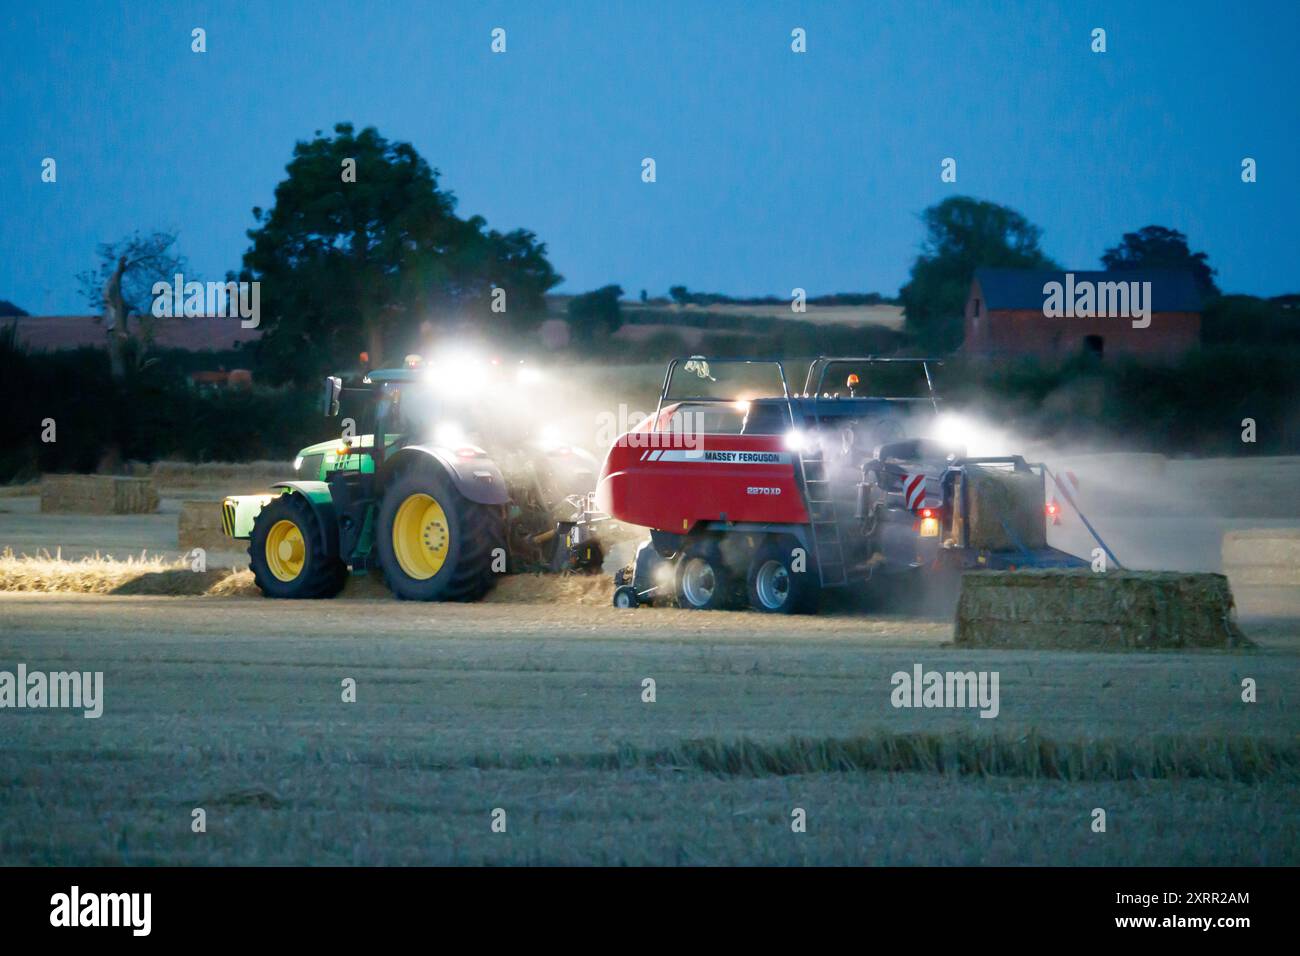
(1077, 608)
(1264, 577)
(1262, 547)
(98, 495)
(1263, 565)
(199, 526)
(225, 476)
(1000, 510)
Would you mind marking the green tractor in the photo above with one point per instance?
(428, 506)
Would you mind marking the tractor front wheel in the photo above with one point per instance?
(287, 555)
(434, 544)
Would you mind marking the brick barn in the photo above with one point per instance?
(1013, 312)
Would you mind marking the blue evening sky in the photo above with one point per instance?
(775, 170)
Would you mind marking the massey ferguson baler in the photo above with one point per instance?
(754, 493)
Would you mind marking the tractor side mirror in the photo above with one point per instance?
(333, 388)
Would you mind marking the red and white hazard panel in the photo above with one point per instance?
(914, 492)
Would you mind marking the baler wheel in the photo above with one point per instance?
(703, 581)
(775, 587)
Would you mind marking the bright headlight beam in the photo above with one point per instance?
(449, 435)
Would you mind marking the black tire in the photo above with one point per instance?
(775, 587)
(321, 576)
(473, 533)
(703, 582)
(625, 596)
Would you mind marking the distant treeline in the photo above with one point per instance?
(1245, 320)
(683, 296)
(1193, 407)
(64, 413)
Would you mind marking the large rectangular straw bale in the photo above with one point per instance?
(1263, 565)
(199, 526)
(228, 477)
(1262, 547)
(97, 494)
(1079, 608)
(1001, 510)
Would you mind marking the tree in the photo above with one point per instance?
(362, 249)
(121, 288)
(1156, 247)
(595, 314)
(1244, 320)
(963, 234)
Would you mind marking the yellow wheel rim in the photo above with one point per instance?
(421, 536)
(286, 552)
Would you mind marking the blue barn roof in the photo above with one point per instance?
(1171, 290)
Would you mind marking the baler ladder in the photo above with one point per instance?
(828, 548)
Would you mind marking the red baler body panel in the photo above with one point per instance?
(651, 479)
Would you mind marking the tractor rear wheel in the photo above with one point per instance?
(775, 586)
(286, 554)
(435, 544)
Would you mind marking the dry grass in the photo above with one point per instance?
(1162, 757)
(591, 590)
(156, 576)
(100, 575)
(537, 709)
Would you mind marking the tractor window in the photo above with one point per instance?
(357, 404)
(691, 419)
(876, 379)
(767, 418)
(724, 380)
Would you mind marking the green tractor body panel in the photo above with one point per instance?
(239, 511)
(318, 495)
(314, 462)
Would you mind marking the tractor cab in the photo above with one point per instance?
(850, 405)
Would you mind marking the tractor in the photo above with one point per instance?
(449, 499)
(758, 495)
